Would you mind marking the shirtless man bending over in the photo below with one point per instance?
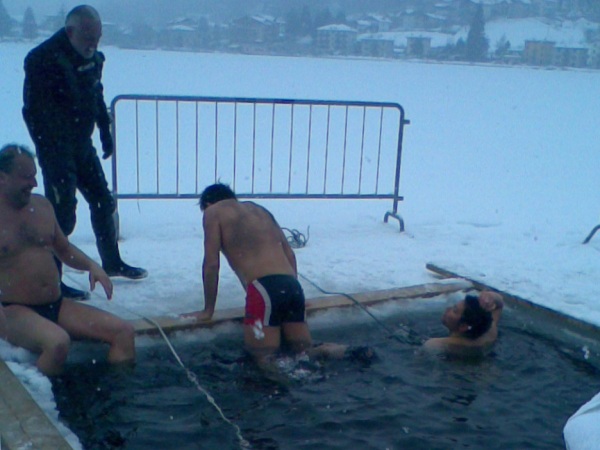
(260, 255)
(472, 323)
(37, 318)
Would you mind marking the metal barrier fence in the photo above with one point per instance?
(173, 147)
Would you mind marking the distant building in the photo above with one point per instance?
(257, 29)
(418, 46)
(180, 34)
(594, 56)
(336, 39)
(546, 53)
(371, 23)
(570, 56)
(411, 19)
(375, 45)
(539, 53)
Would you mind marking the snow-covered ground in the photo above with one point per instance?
(500, 179)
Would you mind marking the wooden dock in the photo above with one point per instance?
(170, 324)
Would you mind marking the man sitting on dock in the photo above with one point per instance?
(38, 318)
(260, 255)
(473, 325)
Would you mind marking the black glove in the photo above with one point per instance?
(108, 147)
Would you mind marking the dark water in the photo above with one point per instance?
(518, 397)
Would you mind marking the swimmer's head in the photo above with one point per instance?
(215, 193)
(468, 318)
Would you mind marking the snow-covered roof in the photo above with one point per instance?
(435, 16)
(336, 27)
(490, 2)
(263, 18)
(379, 17)
(181, 28)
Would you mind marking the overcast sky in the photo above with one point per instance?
(45, 7)
(216, 9)
(153, 9)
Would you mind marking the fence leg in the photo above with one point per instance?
(117, 226)
(591, 235)
(395, 216)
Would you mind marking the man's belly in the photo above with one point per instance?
(31, 279)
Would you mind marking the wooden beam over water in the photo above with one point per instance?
(515, 300)
(23, 424)
(170, 324)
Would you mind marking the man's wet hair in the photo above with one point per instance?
(9, 152)
(478, 319)
(215, 193)
(81, 12)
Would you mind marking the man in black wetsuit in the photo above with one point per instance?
(63, 102)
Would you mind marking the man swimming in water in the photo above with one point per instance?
(261, 257)
(473, 325)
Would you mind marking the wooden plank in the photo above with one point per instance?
(23, 424)
(338, 300)
(515, 300)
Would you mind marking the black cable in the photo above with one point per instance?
(295, 238)
(408, 336)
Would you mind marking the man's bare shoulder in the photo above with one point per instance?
(459, 346)
(450, 346)
(258, 209)
(38, 201)
(248, 204)
(216, 209)
(453, 342)
(443, 343)
(223, 213)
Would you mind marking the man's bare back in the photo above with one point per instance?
(250, 239)
(259, 253)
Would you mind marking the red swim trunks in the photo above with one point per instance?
(273, 300)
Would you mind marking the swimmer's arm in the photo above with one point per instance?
(492, 302)
(435, 344)
(75, 258)
(211, 263)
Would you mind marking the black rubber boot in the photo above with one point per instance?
(68, 291)
(72, 293)
(125, 270)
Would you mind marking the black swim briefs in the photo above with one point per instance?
(48, 311)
